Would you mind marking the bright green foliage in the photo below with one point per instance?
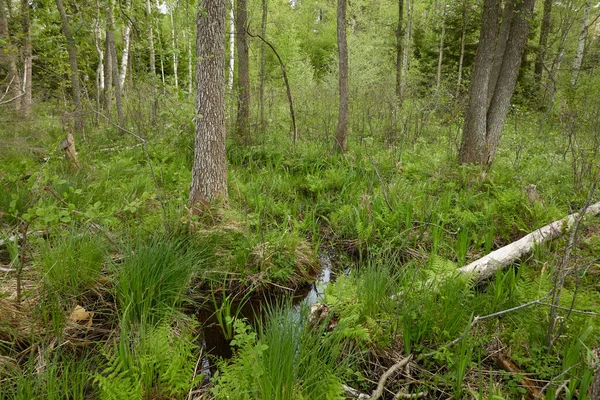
(288, 358)
(151, 362)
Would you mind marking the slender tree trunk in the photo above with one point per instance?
(72, 50)
(175, 51)
(108, 74)
(243, 86)
(406, 50)
(231, 46)
(463, 35)
(472, 146)
(341, 136)
(501, 42)
(190, 61)
(126, 49)
(151, 38)
(578, 60)
(162, 53)
(26, 48)
(543, 44)
(441, 49)
(399, 53)
(8, 59)
(509, 72)
(261, 97)
(209, 173)
(110, 45)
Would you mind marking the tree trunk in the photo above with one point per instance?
(341, 136)
(578, 60)
(126, 48)
(500, 47)
(243, 84)
(190, 63)
(231, 46)
(114, 67)
(8, 59)
(463, 35)
(441, 49)
(151, 39)
(26, 48)
(108, 74)
(399, 53)
(175, 51)
(406, 50)
(473, 138)
(543, 44)
(72, 50)
(209, 174)
(261, 97)
(509, 72)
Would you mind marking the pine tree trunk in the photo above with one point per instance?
(509, 72)
(341, 136)
(543, 44)
(243, 84)
(399, 52)
(472, 147)
(8, 59)
(209, 174)
(72, 50)
(578, 60)
(26, 49)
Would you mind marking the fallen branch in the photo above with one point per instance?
(487, 266)
(380, 386)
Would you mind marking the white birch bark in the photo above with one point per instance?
(578, 60)
(231, 47)
(407, 37)
(151, 38)
(175, 55)
(126, 45)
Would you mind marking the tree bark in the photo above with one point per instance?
(190, 61)
(114, 66)
(406, 49)
(578, 60)
(231, 46)
(399, 52)
(209, 173)
(8, 58)
(463, 35)
(473, 138)
(509, 72)
(341, 136)
(500, 47)
(151, 38)
(441, 49)
(243, 72)
(543, 43)
(261, 97)
(72, 50)
(26, 49)
(175, 51)
(126, 49)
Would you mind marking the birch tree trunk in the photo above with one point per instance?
(463, 35)
(72, 50)
(114, 67)
(243, 72)
(209, 173)
(151, 38)
(441, 49)
(399, 51)
(231, 46)
(261, 96)
(8, 58)
(578, 60)
(126, 48)
(26, 49)
(190, 65)
(341, 136)
(406, 50)
(175, 51)
(543, 43)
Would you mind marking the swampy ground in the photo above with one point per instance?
(113, 287)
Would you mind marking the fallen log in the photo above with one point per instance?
(485, 267)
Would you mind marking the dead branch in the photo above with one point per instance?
(380, 386)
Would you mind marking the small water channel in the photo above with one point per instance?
(216, 345)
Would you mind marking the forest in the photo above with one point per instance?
(299, 199)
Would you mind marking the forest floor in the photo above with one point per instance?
(113, 287)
